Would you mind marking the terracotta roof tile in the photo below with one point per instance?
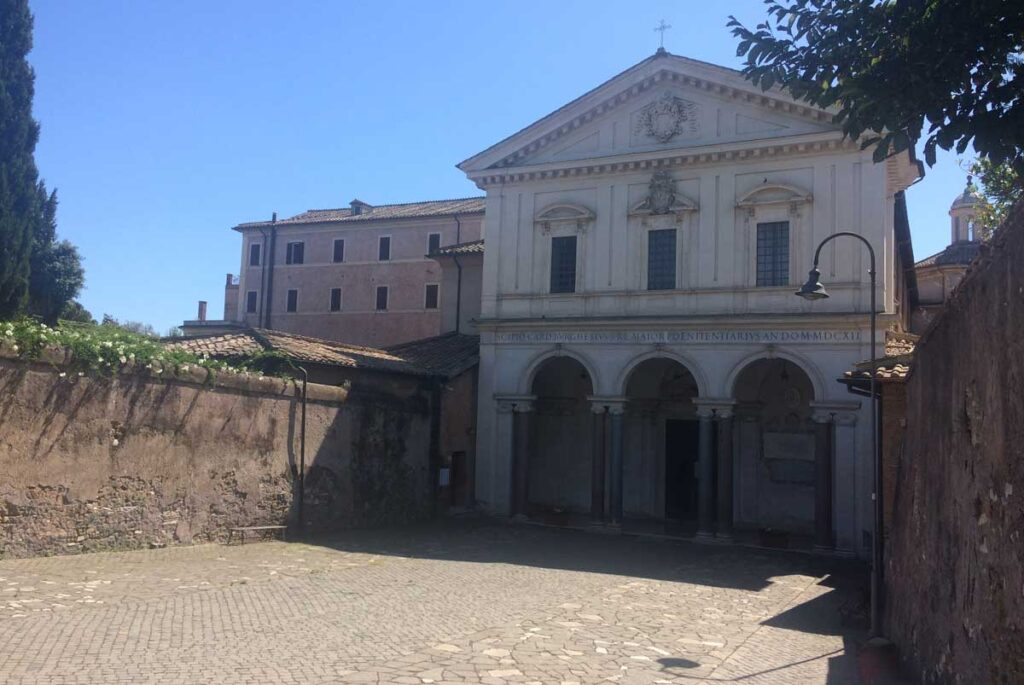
(408, 210)
(445, 355)
(472, 247)
(299, 348)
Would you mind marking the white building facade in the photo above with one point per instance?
(643, 355)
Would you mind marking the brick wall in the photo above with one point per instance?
(129, 461)
(955, 571)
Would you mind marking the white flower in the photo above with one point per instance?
(81, 373)
(62, 374)
(124, 360)
(184, 369)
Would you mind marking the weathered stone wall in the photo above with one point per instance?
(955, 572)
(128, 461)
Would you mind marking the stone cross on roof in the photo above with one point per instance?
(662, 27)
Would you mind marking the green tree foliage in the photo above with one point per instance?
(75, 312)
(18, 135)
(893, 68)
(1001, 187)
(56, 275)
(136, 327)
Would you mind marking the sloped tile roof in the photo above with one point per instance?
(299, 348)
(472, 247)
(445, 355)
(409, 210)
(894, 366)
(960, 253)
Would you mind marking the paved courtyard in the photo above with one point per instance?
(452, 602)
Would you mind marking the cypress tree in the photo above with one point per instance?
(18, 175)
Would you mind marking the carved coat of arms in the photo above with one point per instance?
(667, 117)
(661, 193)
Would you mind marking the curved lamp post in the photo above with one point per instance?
(814, 290)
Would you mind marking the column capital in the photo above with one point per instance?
(846, 418)
(613, 404)
(514, 403)
(828, 411)
(722, 408)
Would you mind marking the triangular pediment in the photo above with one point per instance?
(666, 102)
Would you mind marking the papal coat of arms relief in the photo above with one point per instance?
(668, 117)
(661, 195)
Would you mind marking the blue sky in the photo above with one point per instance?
(165, 124)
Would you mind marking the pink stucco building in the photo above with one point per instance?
(358, 275)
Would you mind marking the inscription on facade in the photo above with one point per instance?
(671, 337)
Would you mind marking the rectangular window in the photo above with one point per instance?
(382, 298)
(384, 248)
(250, 302)
(254, 254)
(661, 259)
(563, 264)
(773, 253)
(433, 243)
(339, 250)
(293, 301)
(295, 253)
(431, 296)
(335, 299)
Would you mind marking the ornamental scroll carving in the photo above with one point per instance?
(668, 117)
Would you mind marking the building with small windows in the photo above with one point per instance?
(359, 275)
(940, 273)
(643, 358)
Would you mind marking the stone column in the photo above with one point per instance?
(823, 539)
(725, 474)
(521, 419)
(705, 475)
(616, 436)
(597, 485)
(844, 484)
(503, 467)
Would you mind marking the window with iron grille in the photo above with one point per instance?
(293, 301)
(254, 254)
(433, 243)
(335, 299)
(430, 296)
(382, 298)
(384, 248)
(339, 250)
(563, 264)
(661, 259)
(250, 302)
(773, 253)
(295, 253)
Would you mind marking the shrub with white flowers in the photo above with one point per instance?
(99, 349)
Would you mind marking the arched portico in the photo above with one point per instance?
(782, 448)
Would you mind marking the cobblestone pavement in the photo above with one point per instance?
(451, 602)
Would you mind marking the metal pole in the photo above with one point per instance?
(876, 539)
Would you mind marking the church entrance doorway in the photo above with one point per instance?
(681, 444)
(660, 442)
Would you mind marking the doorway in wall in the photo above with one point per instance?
(681, 440)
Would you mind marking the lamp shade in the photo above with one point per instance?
(813, 289)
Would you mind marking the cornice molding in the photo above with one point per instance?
(669, 159)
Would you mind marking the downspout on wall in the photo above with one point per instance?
(458, 283)
(270, 274)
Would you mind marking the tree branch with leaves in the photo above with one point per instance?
(948, 71)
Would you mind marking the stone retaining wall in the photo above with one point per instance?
(131, 460)
(955, 571)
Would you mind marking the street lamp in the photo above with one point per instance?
(814, 290)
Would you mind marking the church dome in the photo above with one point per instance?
(969, 198)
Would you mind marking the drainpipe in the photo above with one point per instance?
(302, 447)
(458, 284)
(270, 275)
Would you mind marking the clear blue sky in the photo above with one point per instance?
(164, 124)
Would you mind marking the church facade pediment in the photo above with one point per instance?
(664, 103)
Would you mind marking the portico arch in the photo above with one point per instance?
(559, 461)
(660, 439)
(703, 390)
(534, 365)
(808, 367)
(778, 450)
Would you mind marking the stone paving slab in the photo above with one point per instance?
(454, 602)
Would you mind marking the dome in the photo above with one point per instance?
(969, 198)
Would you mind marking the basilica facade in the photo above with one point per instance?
(642, 354)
